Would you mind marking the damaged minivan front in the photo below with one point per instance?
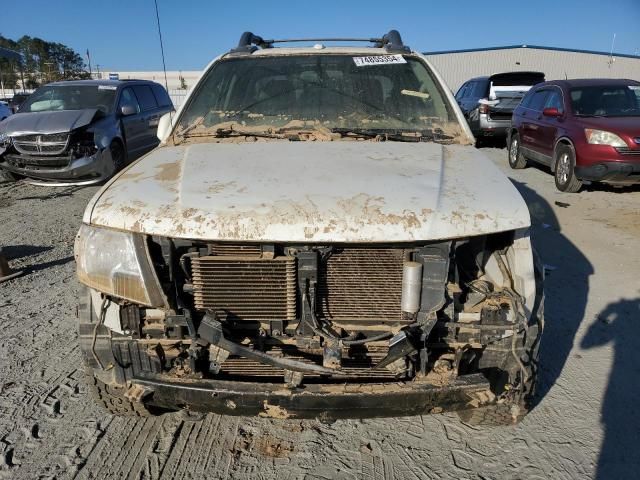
(76, 132)
(316, 238)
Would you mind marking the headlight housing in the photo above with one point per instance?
(117, 263)
(602, 137)
(5, 140)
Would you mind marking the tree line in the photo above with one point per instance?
(42, 62)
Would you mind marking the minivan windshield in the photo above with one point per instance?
(333, 91)
(71, 97)
(606, 101)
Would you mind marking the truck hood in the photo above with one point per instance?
(58, 121)
(311, 192)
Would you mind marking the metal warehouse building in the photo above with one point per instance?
(458, 66)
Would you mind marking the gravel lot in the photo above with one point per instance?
(586, 423)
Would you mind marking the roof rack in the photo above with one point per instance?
(391, 42)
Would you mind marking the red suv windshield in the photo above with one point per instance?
(606, 101)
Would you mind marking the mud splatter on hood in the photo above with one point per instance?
(311, 192)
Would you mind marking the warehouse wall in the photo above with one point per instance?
(456, 68)
(173, 77)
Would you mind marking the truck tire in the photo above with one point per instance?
(512, 411)
(111, 398)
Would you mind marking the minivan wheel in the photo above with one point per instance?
(118, 156)
(516, 158)
(565, 175)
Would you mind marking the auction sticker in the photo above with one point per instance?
(378, 60)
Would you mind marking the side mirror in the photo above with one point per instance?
(552, 112)
(127, 110)
(165, 124)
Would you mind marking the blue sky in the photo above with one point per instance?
(122, 35)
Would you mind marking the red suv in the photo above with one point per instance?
(584, 130)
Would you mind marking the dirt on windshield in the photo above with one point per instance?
(235, 132)
(304, 130)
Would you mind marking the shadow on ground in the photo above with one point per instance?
(566, 288)
(54, 192)
(619, 324)
(14, 252)
(17, 252)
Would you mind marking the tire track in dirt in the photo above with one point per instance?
(118, 450)
(50, 429)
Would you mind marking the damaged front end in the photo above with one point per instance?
(67, 158)
(312, 331)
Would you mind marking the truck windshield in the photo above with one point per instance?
(71, 97)
(337, 92)
(606, 101)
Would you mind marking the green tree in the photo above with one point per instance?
(8, 67)
(43, 62)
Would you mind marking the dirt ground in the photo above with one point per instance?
(586, 423)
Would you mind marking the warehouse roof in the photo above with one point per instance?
(536, 47)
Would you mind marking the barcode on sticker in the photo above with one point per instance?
(378, 60)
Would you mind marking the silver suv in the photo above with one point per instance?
(488, 102)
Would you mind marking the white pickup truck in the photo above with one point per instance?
(316, 236)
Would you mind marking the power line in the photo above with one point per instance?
(164, 67)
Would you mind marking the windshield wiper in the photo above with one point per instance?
(232, 132)
(382, 134)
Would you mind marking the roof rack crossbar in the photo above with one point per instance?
(391, 41)
(339, 39)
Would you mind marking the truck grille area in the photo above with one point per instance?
(355, 365)
(361, 284)
(245, 288)
(354, 285)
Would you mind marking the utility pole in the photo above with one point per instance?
(89, 61)
(611, 59)
(1, 83)
(49, 70)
